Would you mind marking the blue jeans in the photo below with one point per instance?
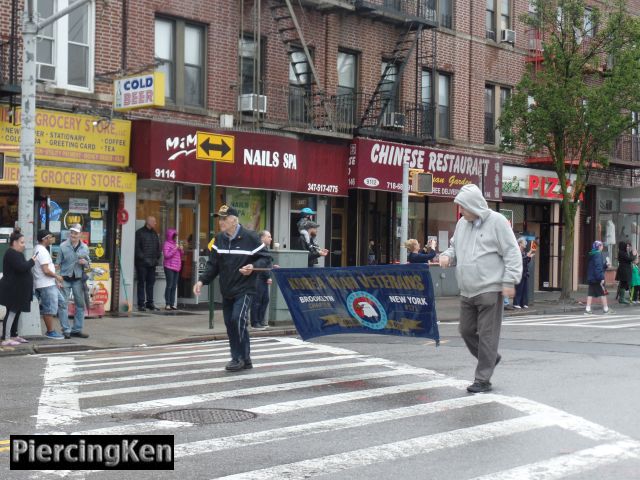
(146, 281)
(260, 303)
(522, 293)
(171, 286)
(236, 316)
(78, 299)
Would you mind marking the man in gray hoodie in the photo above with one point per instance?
(488, 265)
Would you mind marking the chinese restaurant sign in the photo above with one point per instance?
(377, 165)
(70, 137)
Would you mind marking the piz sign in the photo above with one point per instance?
(215, 147)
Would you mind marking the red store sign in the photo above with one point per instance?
(377, 165)
(163, 151)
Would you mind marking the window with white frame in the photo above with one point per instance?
(495, 99)
(436, 118)
(65, 49)
(180, 53)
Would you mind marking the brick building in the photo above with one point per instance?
(324, 99)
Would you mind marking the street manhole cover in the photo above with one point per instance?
(206, 416)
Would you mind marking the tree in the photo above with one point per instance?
(573, 104)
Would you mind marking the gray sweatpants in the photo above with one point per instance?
(480, 322)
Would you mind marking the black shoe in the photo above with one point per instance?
(173, 308)
(248, 364)
(498, 358)
(479, 387)
(142, 309)
(153, 308)
(67, 336)
(79, 334)
(234, 366)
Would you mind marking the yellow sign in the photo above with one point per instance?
(214, 147)
(74, 178)
(69, 137)
(139, 91)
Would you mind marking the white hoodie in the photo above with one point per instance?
(486, 252)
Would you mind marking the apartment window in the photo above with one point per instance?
(437, 115)
(250, 63)
(389, 89)
(589, 27)
(179, 49)
(490, 20)
(505, 15)
(492, 110)
(71, 37)
(445, 13)
(347, 86)
(299, 88)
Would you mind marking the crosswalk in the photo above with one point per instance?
(611, 321)
(304, 397)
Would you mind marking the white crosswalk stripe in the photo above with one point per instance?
(612, 321)
(311, 385)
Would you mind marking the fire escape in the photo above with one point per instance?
(9, 86)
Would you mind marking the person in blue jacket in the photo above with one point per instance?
(414, 255)
(595, 277)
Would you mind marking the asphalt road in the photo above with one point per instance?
(564, 405)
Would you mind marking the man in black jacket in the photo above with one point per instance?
(235, 253)
(147, 253)
(307, 241)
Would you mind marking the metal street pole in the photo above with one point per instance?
(26, 183)
(404, 214)
(212, 228)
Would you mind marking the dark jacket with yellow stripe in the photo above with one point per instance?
(229, 255)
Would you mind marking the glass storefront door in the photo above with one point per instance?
(188, 220)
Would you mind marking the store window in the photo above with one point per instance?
(251, 206)
(156, 199)
(8, 207)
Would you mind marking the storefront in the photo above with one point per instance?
(270, 180)
(618, 219)
(93, 195)
(375, 180)
(531, 200)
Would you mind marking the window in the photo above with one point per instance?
(438, 115)
(250, 63)
(299, 88)
(490, 20)
(347, 87)
(445, 12)
(179, 49)
(505, 15)
(70, 37)
(589, 27)
(492, 110)
(389, 89)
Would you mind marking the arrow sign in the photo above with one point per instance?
(214, 147)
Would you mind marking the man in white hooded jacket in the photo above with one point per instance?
(488, 266)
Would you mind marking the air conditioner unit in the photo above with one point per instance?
(393, 120)
(45, 73)
(508, 36)
(250, 102)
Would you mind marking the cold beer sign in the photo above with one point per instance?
(139, 91)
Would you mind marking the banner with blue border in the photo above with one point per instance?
(382, 299)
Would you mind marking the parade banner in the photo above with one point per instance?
(382, 299)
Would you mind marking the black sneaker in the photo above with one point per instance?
(153, 308)
(479, 387)
(498, 358)
(248, 364)
(234, 366)
(79, 334)
(142, 309)
(67, 336)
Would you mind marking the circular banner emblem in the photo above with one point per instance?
(366, 308)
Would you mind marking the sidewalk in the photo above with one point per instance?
(186, 326)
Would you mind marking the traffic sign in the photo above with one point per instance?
(214, 147)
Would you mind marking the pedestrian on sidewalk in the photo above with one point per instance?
(308, 241)
(623, 274)
(635, 281)
(488, 265)
(47, 284)
(521, 299)
(596, 269)
(415, 255)
(147, 255)
(172, 253)
(16, 287)
(261, 300)
(235, 253)
(73, 260)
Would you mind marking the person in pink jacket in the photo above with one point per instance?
(172, 253)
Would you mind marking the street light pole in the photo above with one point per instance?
(404, 214)
(26, 183)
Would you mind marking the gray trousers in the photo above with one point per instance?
(480, 322)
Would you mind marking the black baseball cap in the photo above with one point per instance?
(225, 211)
(42, 234)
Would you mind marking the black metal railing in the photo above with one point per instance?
(626, 148)
(412, 9)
